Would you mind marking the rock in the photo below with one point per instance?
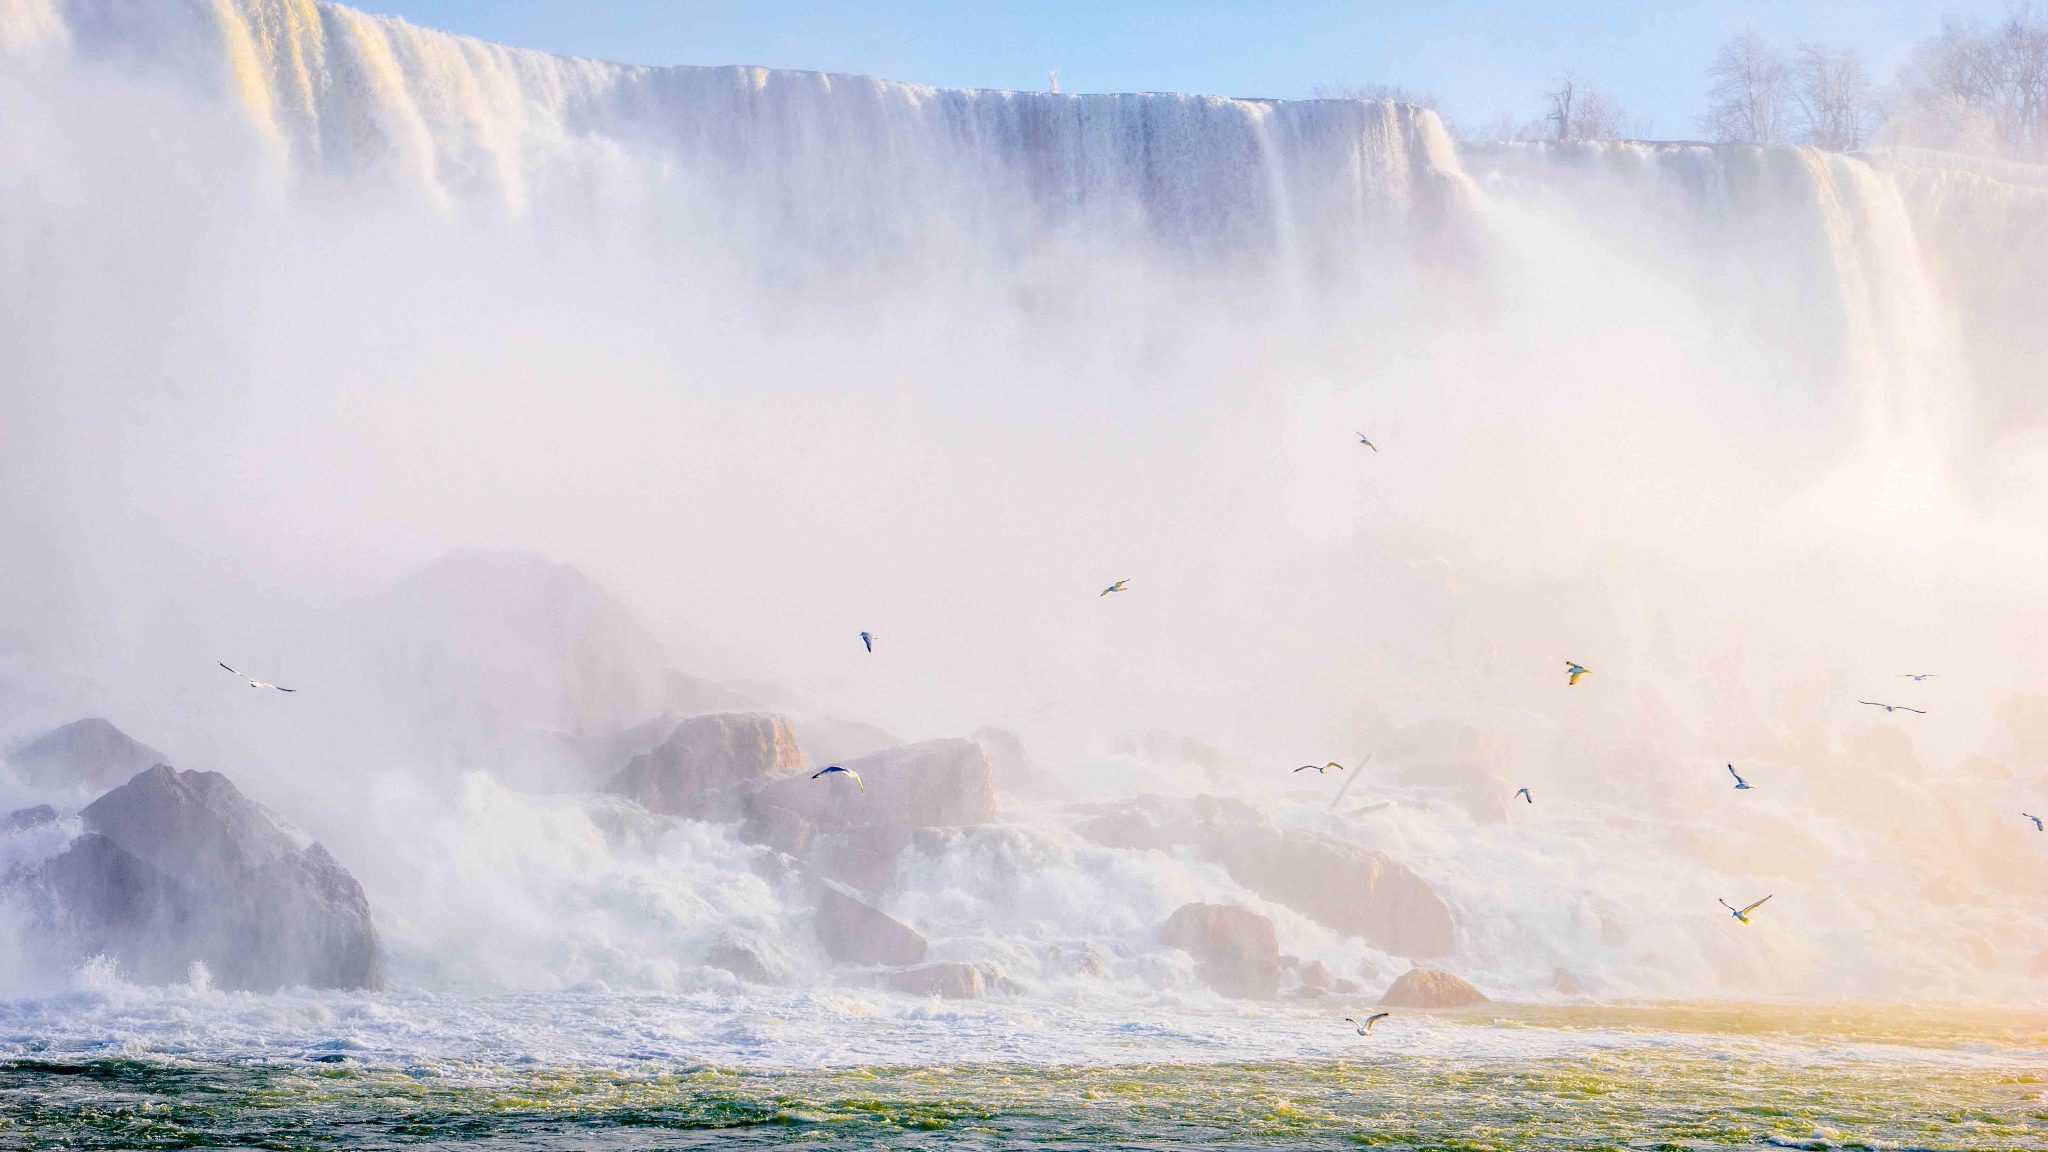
(952, 981)
(1340, 886)
(1315, 976)
(778, 828)
(855, 932)
(1235, 949)
(1428, 988)
(177, 867)
(1567, 981)
(89, 752)
(710, 765)
(939, 783)
(23, 819)
(827, 741)
(862, 857)
(746, 959)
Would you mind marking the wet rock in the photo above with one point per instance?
(1428, 988)
(855, 932)
(938, 783)
(1315, 976)
(23, 819)
(779, 828)
(1235, 949)
(1340, 886)
(747, 959)
(951, 981)
(862, 857)
(177, 867)
(90, 752)
(710, 765)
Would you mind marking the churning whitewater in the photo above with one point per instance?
(598, 452)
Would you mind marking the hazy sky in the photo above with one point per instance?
(1484, 59)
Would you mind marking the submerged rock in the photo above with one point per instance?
(1235, 949)
(1429, 988)
(710, 765)
(91, 752)
(952, 981)
(177, 867)
(855, 932)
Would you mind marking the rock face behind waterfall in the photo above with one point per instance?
(91, 752)
(176, 867)
(710, 765)
(1345, 887)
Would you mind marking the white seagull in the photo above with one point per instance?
(1524, 794)
(1116, 587)
(255, 683)
(2037, 821)
(1740, 783)
(1918, 676)
(1367, 443)
(1365, 1029)
(1321, 770)
(1742, 914)
(1892, 707)
(836, 770)
(868, 638)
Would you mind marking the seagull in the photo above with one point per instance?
(1524, 794)
(1322, 770)
(1916, 677)
(1116, 587)
(868, 638)
(1365, 1028)
(1374, 447)
(2036, 819)
(1742, 914)
(255, 683)
(1740, 783)
(1892, 707)
(836, 770)
(1576, 671)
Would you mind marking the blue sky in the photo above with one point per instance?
(1482, 59)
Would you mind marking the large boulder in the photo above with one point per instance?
(1235, 949)
(176, 867)
(953, 981)
(939, 783)
(710, 765)
(1428, 988)
(1342, 887)
(855, 932)
(91, 752)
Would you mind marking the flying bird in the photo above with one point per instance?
(255, 683)
(1321, 770)
(1918, 676)
(1367, 443)
(1575, 670)
(1524, 794)
(1116, 587)
(868, 638)
(1740, 783)
(1365, 1028)
(2036, 819)
(836, 770)
(1892, 707)
(1742, 914)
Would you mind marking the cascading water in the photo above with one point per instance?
(302, 297)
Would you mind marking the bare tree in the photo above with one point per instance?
(1751, 86)
(1581, 112)
(1394, 92)
(1981, 88)
(1833, 96)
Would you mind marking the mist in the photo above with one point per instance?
(300, 302)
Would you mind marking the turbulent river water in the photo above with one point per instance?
(513, 407)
